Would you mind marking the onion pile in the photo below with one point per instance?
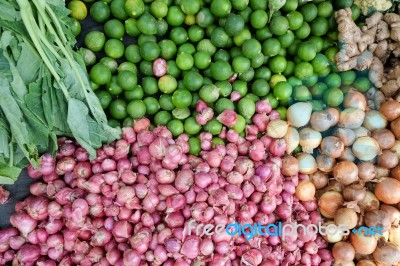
(132, 204)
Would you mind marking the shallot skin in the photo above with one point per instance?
(134, 203)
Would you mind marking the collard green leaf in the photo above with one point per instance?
(28, 63)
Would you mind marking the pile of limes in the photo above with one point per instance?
(206, 44)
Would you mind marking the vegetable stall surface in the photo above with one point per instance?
(45, 90)
(133, 203)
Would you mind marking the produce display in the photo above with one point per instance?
(148, 125)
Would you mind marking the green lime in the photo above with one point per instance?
(136, 109)
(271, 47)
(355, 12)
(286, 39)
(168, 49)
(343, 3)
(244, 35)
(182, 98)
(309, 11)
(246, 107)
(78, 9)
(277, 64)
(127, 122)
(114, 29)
(320, 63)
(311, 80)
(221, 8)
(193, 80)
(333, 97)
(302, 94)
(251, 48)
(279, 25)
(95, 41)
(331, 53)
(260, 87)
(240, 125)
(109, 62)
(295, 20)
(282, 111)
(135, 94)
(146, 67)
(162, 27)
(173, 69)
(318, 90)
(202, 60)
(175, 16)
(348, 77)
(319, 26)
(248, 75)
(150, 85)
(127, 66)
(222, 55)
(221, 70)
(318, 42)
(258, 4)
(118, 109)
(162, 118)
(259, 19)
(113, 87)
(167, 84)
(318, 105)
(159, 9)
(176, 127)
(263, 34)
(282, 90)
(127, 80)
(118, 9)
(132, 53)
(152, 105)
(234, 25)
(131, 27)
(166, 102)
(223, 104)
(196, 33)
(179, 35)
(303, 32)
(75, 27)
(100, 11)
(290, 5)
(303, 70)
(113, 123)
(294, 81)
(187, 48)
(184, 61)
(325, 9)
(219, 37)
(147, 24)
(204, 17)
(263, 72)
(213, 126)
(114, 48)
(289, 70)
(190, 7)
(194, 146)
(275, 79)
(149, 51)
(191, 126)
(239, 4)
(206, 45)
(209, 93)
(134, 8)
(105, 98)
(258, 61)
(240, 64)
(362, 84)
(333, 80)
(307, 51)
(272, 100)
(89, 57)
(100, 74)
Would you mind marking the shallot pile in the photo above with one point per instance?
(131, 205)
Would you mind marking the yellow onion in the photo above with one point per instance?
(290, 166)
(345, 172)
(362, 243)
(292, 139)
(299, 114)
(365, 263)
(323, 120)
(387, 253)
(354, 99)
(332, 237)
(393, 213)
(370, 202)
(277, 128)
(343, 252)
(329, 203)
(365, 148)
(395, 173)
(377, 218)
(346, 135)
(394, 235)
(346, 216)
(332, 146)
(382, 172)
(395, 127)
(385, 138)
(347, 155)
(351, 118)
(388, 159)
(325, 163)
(396, 148)
(390, 109)
(362, 132)
(305, 190)
(309, 139)
(388, 190)
(319, 179)
(374, 120)
(307, 163)
(354, 192)
(366, 171)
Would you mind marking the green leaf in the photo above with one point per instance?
(8, 174)
(28, 63)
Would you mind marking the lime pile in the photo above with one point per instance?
(211, 49)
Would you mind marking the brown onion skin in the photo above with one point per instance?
(290, 166)
(346, 216)
(384, 137)
(366, 171)
(325, 163)
(343, 252)
(393, 213)
(319, 179)
(388, 191)
(305, 190)
(377, 218)
(345, 172)
(395, 127)
(388, 159)
(395, 172)
(329, 203)
(371, 202)
(332, 146)
(387, 253)
(363, 244)
(390, 109)
(365, 263)
(354, 192)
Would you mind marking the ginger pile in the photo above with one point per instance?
(370, 48)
